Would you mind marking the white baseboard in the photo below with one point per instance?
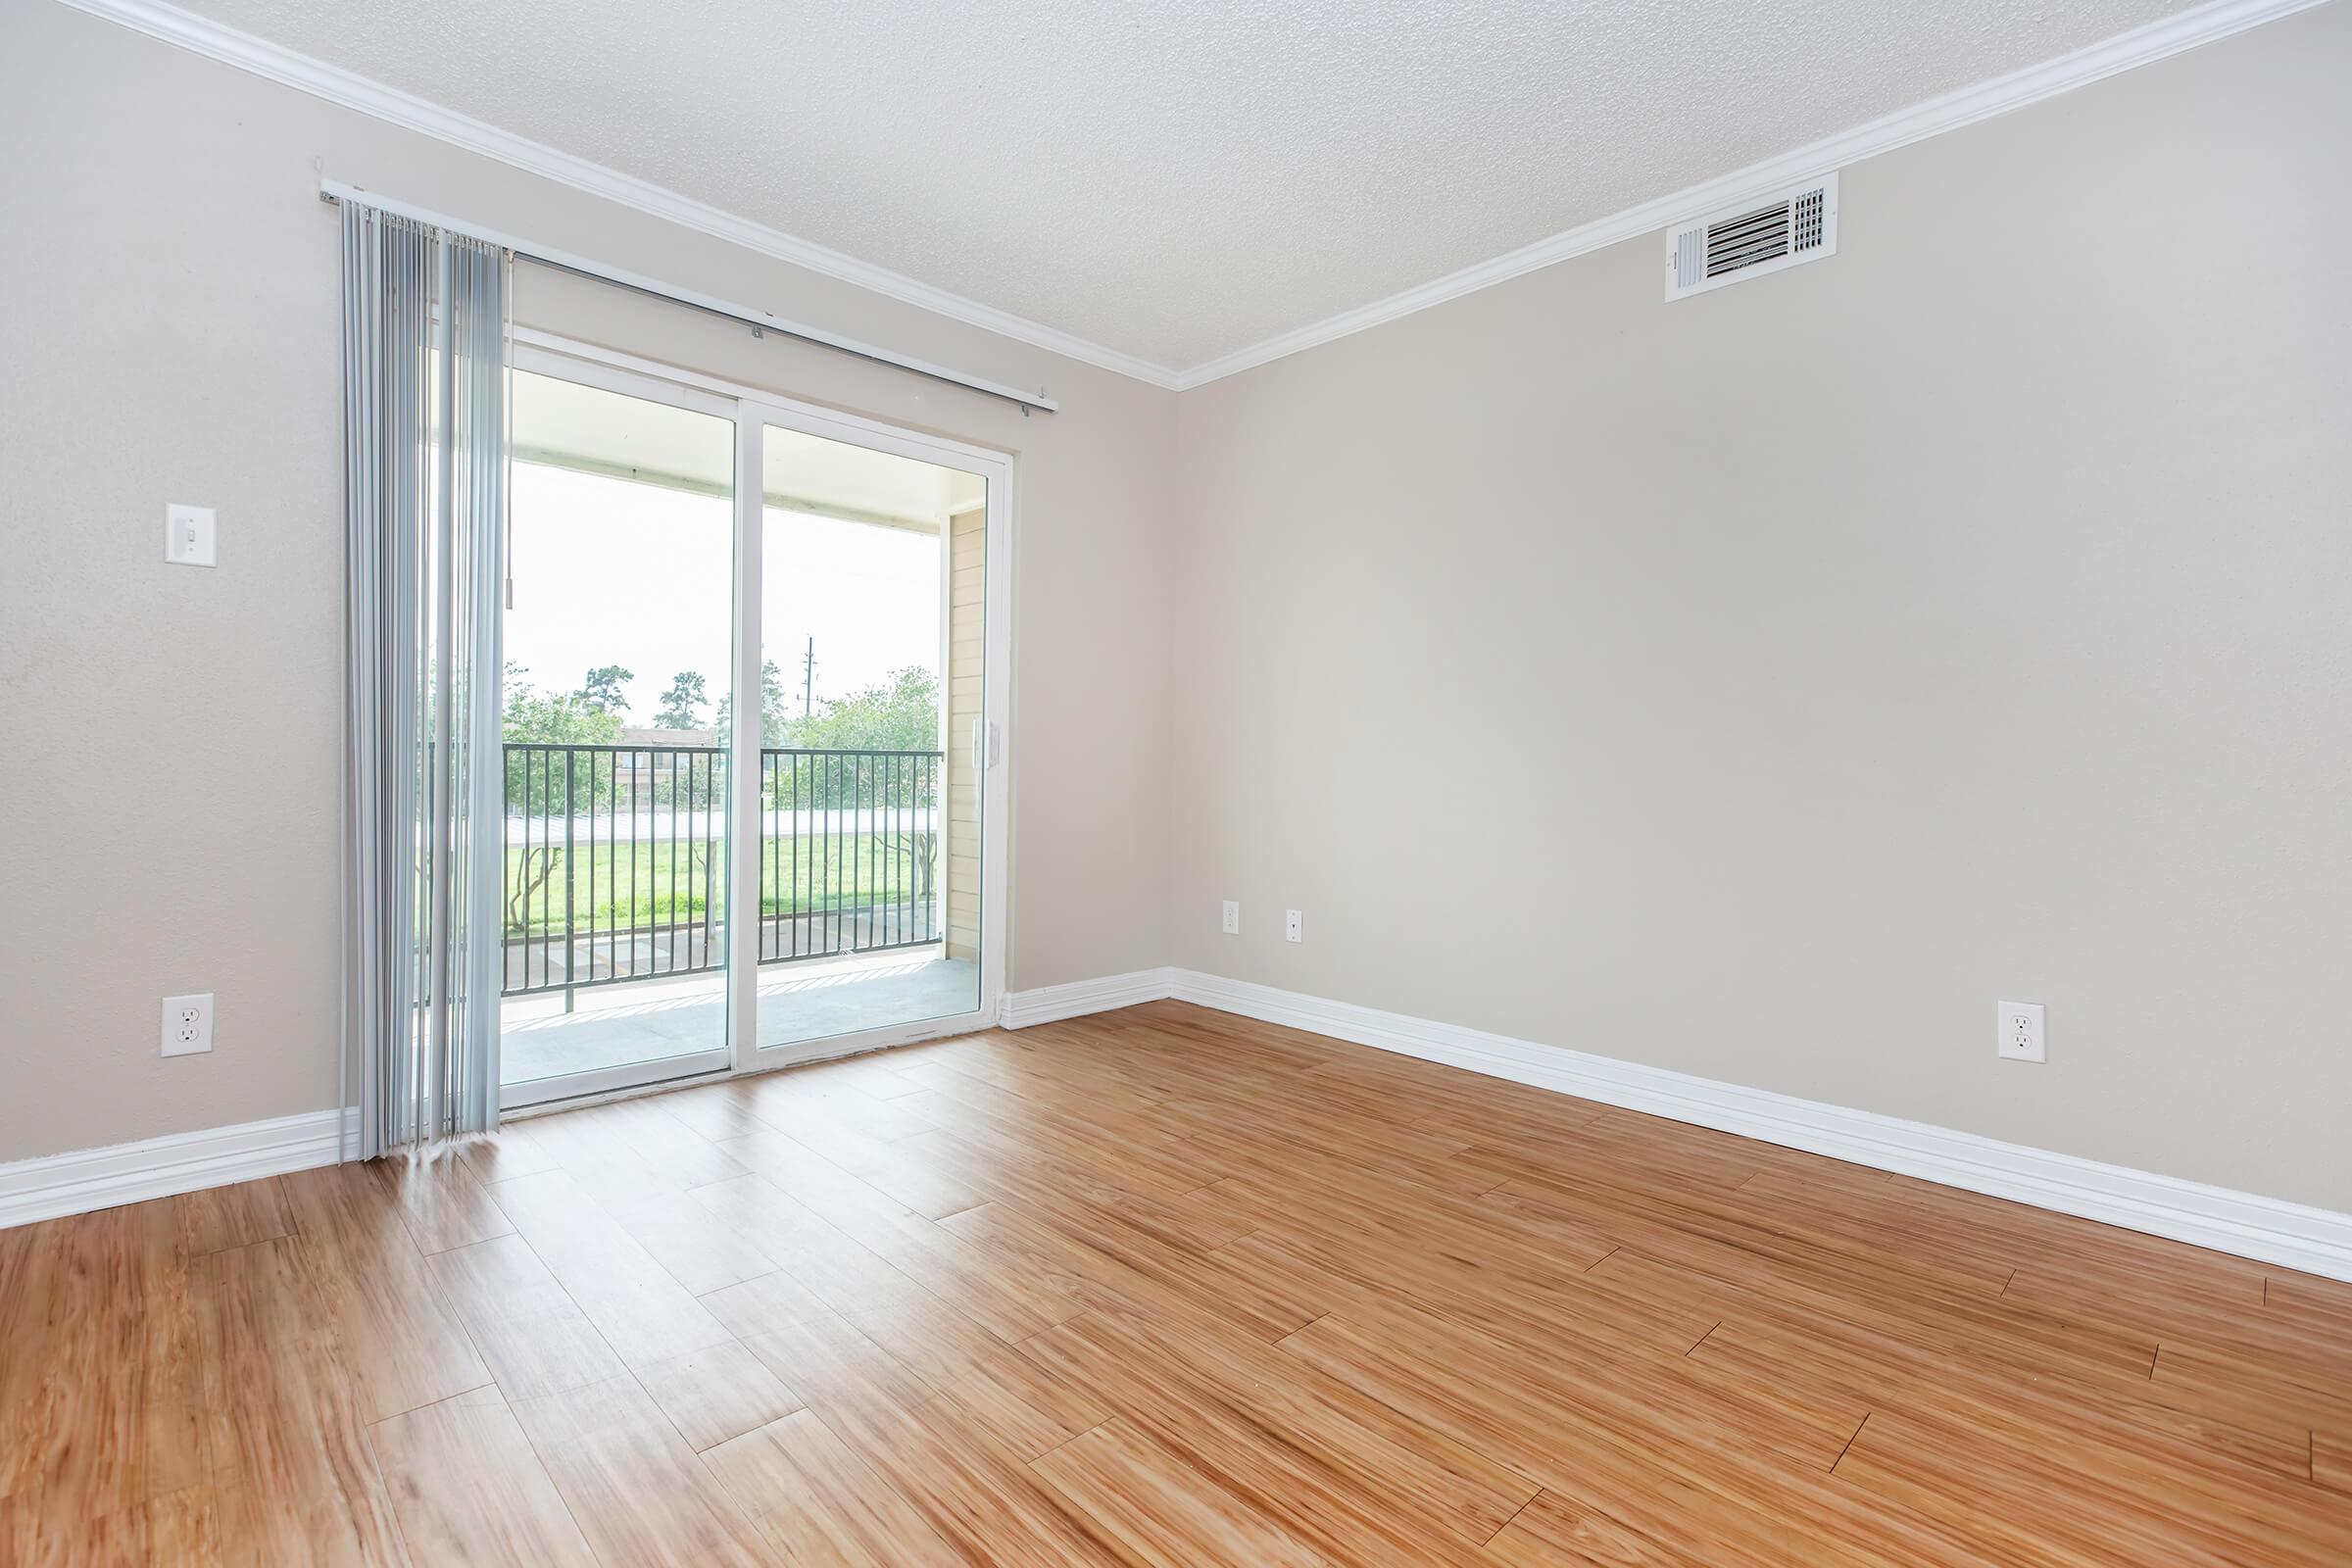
(1048, 1004)
(2268, 1230)
(88, 1179)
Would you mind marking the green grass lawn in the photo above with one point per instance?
(803, 876)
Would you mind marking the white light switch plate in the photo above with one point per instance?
(188, 534)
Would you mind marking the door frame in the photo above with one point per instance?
(752, 408)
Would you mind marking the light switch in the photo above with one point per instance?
(188, 535)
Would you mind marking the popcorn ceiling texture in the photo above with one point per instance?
(1180, 179)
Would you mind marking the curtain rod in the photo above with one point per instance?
(332, 190)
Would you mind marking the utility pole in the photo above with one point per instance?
(808, 681)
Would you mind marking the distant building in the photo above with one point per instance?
(660, 760)
(649, 735)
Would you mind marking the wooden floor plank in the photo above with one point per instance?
(1562, 1532)
(1021, 1407)
(118, 1415)
(294, 1475)
(1005, 1173)
(30, 1315)
(904, 1315)
(1302, 1485)
(1152, 1287)
(1159, 1510)
(2318, 1306)
(819, 1506)
(926, 1186)
(393, 1327)
(177, 1528)
(1874, 1370)
(718, 1393)
(443, 1204)
(636, 1304)
(511, 1152)
(637, 1492)
(466, 1488)
(1004, 1302)
(220, 1217)
(813, 1350)
(984, 1502)
(2310, 1397)
(531, 1333)
(2331, 1461)
(2117, 1513)
(1611, 1444)
(1456, 1486)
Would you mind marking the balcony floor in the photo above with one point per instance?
(610, 1026)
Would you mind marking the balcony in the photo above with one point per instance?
(615, 902)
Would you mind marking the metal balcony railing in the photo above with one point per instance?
(849, 852)
(616, 863)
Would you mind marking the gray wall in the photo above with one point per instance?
(1759, 686)
(1766, 684)
(168, 331)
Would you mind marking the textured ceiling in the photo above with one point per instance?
(1178, 179)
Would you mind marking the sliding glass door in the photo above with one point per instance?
(872, 619)
(675, 548)
(618, 676)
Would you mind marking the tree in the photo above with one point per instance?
(902, 794)
(603, 688)
(555, 718)
(774, 717)
(900, 715)
(682, 704)
(536, 781)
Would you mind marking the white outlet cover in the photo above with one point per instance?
(1294, 926)
(1232, 918)
(2020, 1037)
(187, 1025)
(188, 534)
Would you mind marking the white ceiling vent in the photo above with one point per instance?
(1751, 239)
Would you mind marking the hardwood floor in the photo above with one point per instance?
(1157, 1287)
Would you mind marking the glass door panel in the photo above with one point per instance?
(872, 601)
(617, 652)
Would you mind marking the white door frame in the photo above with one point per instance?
(753, 408)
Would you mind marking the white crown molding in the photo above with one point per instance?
(2269, 1230)
(89, 1179)
(1917, 123)
(350, 90)
(1952, 110)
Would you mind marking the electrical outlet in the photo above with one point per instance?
(2020, 1032)
(1233, 918)
(1294, 926)
(187, 1025)
(188, 534)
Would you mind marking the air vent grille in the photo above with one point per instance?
(1792, 226)
(1748, 240)
(1808, 221)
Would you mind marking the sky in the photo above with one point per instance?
(611, 572)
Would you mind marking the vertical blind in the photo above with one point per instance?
(425, 408)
